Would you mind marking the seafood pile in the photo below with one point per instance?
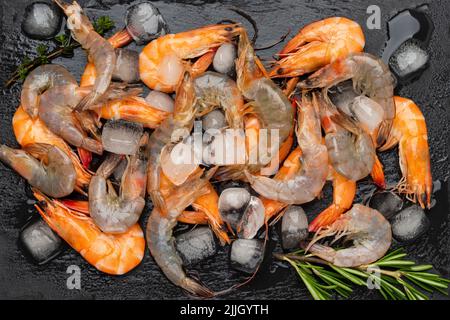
(215, 114)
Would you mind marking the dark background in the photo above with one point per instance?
(19, 278)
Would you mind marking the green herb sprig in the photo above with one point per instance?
(65, 46)
(393, 276)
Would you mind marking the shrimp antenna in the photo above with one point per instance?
(282, 38)
(250, 20)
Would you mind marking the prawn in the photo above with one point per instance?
(266, 101)
(318, 44)
(370, 77)
(367, 228)
(56, 111)
(31, 131)
(160, 238)
(308, 182)
(100, 51)
(409, 131)
(53, 173)
(40, 79)
(218, 90)
(114, 254)
(162, 61)
(350, 149)
(181, 120)
(117, 213)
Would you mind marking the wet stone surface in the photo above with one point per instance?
(21, 279)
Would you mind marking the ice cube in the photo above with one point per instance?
(214, 120)
(409, 224)
(127, 66)
(408, 59)
(144, 22)
(41, 20)
(252, 220)
(387, 203)
(247, 254)
(160, 100)
(223, 61)
(121, 137)
(40, 241)
(196, 245)
(294, 227)
(232, 203)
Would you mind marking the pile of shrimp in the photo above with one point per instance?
(313, 139)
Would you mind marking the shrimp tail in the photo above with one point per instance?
(383, 132)
(197, 289)
(378, 173)
(326, 217)
(158, 201)
(85, 157)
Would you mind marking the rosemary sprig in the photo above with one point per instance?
(65, 46)
(393, 276)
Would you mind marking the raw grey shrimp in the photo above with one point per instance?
(370, 76)
(53, 174)
(218, 90)
(160, 227)
(308, 182)
(350, 148)
(181, 120)
(266, 101)
(117, 213)
(100, 51)
(56, 111)
(40, 79)
(367, 228)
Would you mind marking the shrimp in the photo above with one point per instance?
(117, 213)
(100, 51)
(119, 39)
(56, 111)
(308, 182)
(30, 131)
(53, 173)
(369, 230)
(218, 90)
(318, 44)
(267, 102)
(350, 149)
(162, 61)
(409, 131)
(370, 77)
(40, 79)
(344, 192)
(134, 109)
(181, 120)
(160, 238)
(114, 254)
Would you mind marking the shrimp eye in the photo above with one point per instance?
(228, 29)
(280, 71)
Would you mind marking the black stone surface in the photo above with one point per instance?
(21, 279)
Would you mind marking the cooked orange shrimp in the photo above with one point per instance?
(215, 90)
(182, 120)
(117, 213)
(114, 254)
(318, 44)
(52, 172)
(162, 61)
(350, 149)
(410, 133)
(344, 192)
(267, 102)
(100, 51)
(134, 109)
(56, 111)
(370, 77)
(160, 238)
(30, 131)
(307, 183)
(369, 230)
(40, 79)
